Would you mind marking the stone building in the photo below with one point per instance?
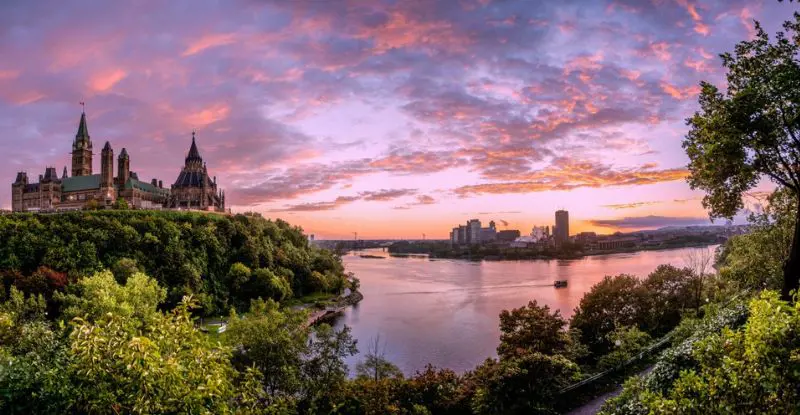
(53, 193)
(194, 189)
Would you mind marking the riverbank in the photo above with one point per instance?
(328, 313)
(522, 254)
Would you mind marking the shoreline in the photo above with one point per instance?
(330, 312)
(551, 257)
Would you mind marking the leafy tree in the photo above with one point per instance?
(167, 366)
(531, 329)
(521, 385)
(96, 296)
(751, 130)
(120, 204)
(187, 253)
(667, 293)
(271, 341)
(754, 369)
(755, 259)
(612, 303)
(91, 204)
(124, 268)
(323, 370)
(627, 342)
(375, 366)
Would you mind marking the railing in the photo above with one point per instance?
(653, 347)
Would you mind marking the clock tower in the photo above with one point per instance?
(82, 150)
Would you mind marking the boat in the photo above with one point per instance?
(560, 284)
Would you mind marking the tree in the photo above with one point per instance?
(323, 369)
(751, 131)
(522, 385)
(271, 341)
(375, 366)
(754, 369)
(612, 303)
(120, 204)
(530, 329)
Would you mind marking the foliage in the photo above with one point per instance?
(112, 360)
(532, 329)
(271, 341)
(755, 260)
(653, 305)
(323, 370)
(755, 369)
(375, 366)
(627, 341)
(120, 204)
(99, 295)
(167, 366)
(522, 385)
(751, 130)
(186, 252)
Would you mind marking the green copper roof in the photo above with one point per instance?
(75, 183)
(83, 130)
(144, 186)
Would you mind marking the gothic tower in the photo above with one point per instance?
(124, 168)
(107, 166)
(82, 150)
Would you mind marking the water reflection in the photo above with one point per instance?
(445, 312)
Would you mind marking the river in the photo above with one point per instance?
(446, 312)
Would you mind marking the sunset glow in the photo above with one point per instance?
(389, 119)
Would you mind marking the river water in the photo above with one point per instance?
(446, 312)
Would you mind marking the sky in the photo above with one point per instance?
(386, 118)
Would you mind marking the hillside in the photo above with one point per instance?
(225, 261)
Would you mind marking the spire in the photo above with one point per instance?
(64, 174)
(107, 147)
(83, 130)
(123, 154)
(194, 154)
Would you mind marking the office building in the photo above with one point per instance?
(561, 229)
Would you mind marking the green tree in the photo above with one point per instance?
(323, 370)
(271, 341)
(531, 329)
(612, 303)
(167, 366)
(125, 268)
(755, 369)
(755, 259)
(751, 130)
(627, 341)
(521, 385)
(375, 366)
(120, 204)
(96, 296)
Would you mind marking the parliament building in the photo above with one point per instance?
(193, 190)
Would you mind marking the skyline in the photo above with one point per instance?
(389, 121)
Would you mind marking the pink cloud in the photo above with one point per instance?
(208, 42)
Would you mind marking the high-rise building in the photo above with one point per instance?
(561, 229)
(473, 231)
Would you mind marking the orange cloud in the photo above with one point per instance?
(208, 115)
(104, 81)
(209, 41)
(402, 31)
(661, 51)
(567, 174)
(702, 29)
(680, 93)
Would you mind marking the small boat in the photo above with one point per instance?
(560, 284)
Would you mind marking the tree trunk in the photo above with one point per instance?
(791, 268)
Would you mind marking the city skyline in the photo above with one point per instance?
(389, 120)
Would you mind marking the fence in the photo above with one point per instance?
(647, 351)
